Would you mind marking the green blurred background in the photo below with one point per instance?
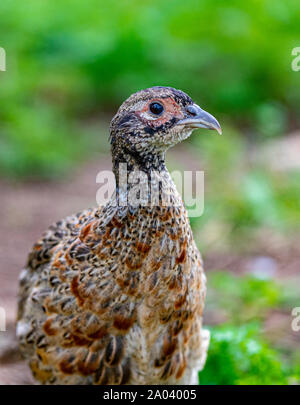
(69, 66)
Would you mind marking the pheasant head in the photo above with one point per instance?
(151, 121)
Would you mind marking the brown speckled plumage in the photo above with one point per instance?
(115, 294)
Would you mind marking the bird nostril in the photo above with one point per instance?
(191, 109)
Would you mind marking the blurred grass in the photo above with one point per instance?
(239, 352)
(240, 356)
(243, 298)
(243, 194)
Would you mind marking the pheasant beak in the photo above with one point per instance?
(198, 118)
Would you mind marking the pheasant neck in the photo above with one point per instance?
(138, 161)
(143, 180)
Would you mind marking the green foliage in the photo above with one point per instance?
(242, 194)
(242, 298)
(36, 142)
(238, 355)
(85, 57)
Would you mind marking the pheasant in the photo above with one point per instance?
(115, 294)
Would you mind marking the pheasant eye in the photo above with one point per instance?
(156, 108)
